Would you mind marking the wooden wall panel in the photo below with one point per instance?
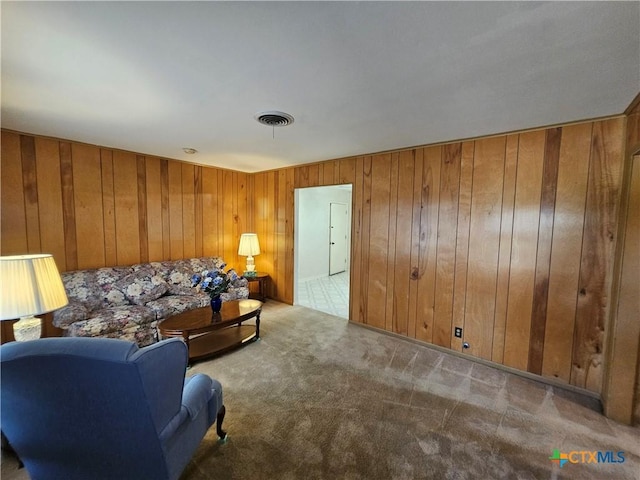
(14, 222)
(391, 244)
(414, 274)
(603, 190)
(446, 249)
(504, 255)
(87, 195)
(355, 296)
(92, 207)
(524, 245)
(188, 211)
(568, 227)
(125, 192)
(68, 206)
(29, 183)
(143, 221)
(428, 243)
(402, 251)
(486, 201)
(378, 240)
(109, 208)
(154, 208)
(50, 187)
(462, 240)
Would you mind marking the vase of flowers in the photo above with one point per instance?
(214, 283)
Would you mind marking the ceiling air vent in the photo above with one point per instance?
(274, 119)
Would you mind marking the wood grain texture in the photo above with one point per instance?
(355, 296)
(125, 190)
(462, 240)
(446, 247)
(108, 208)
(526, 217)
(87, 197)
(390, 313)
(402, 252)
(143, 221)
(29, 184)
(543, 254)
(68, 208)
(188, 211)
(428, 243)
(504, 254)
(365, 233)
(624, 369)
(50, 212)
(414, 274)
(14, 222)
(153, 188)
(607, 147)
(573, 170)
(486, 202)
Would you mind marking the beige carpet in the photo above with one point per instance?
(318, 398)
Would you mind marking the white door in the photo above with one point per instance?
(337, 238)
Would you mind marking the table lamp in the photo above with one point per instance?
(29, 285)
(249, 247)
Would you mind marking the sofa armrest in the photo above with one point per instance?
(73, 312)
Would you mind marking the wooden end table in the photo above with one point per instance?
(262, 279)
(207, 333)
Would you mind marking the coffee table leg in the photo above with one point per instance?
(185, 337)
(258, 325)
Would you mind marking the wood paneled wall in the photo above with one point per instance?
(510, 237)
(621, 392)
(93, 207)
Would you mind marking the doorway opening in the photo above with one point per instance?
(322, 250)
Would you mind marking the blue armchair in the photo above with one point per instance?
(100, 408)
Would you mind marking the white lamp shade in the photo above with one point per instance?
(29, 285)
(249, 245)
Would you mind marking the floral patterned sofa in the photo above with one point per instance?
(128, 302)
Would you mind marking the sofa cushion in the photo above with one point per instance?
(106, 278)
(81, 286)
(173, 304)
(112, 320)
(180, 279)
(142, 286)
(74, 311)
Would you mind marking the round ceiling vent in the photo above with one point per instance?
(274, 119)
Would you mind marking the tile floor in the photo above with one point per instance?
(327, 294)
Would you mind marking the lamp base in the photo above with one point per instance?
(250, 273)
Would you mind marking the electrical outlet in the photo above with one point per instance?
(458, 332)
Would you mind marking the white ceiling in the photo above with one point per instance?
(359, 77)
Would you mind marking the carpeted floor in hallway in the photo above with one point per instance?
(319, 398)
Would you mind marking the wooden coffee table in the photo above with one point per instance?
(207, 333)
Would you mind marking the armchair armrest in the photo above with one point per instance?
(196, 393)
